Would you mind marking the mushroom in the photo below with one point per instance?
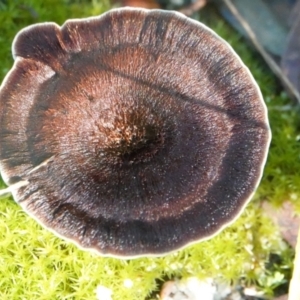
(134, 133)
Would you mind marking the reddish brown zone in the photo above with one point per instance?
(151, 4)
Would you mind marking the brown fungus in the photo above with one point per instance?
(133, 133)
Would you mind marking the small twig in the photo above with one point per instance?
(270, 61)
(192, 8)
(294, 289)
(22, 183)
(44, 163)
(14, 186)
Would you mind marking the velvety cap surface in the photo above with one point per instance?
(138, 131)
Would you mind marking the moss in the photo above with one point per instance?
(35, 264)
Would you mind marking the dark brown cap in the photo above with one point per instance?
(138, 131)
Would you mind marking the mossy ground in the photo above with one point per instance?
(35, 264)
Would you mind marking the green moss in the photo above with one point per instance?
(37, 265)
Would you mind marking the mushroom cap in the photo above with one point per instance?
(138, 131)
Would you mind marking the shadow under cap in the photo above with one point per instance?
(138, 131)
